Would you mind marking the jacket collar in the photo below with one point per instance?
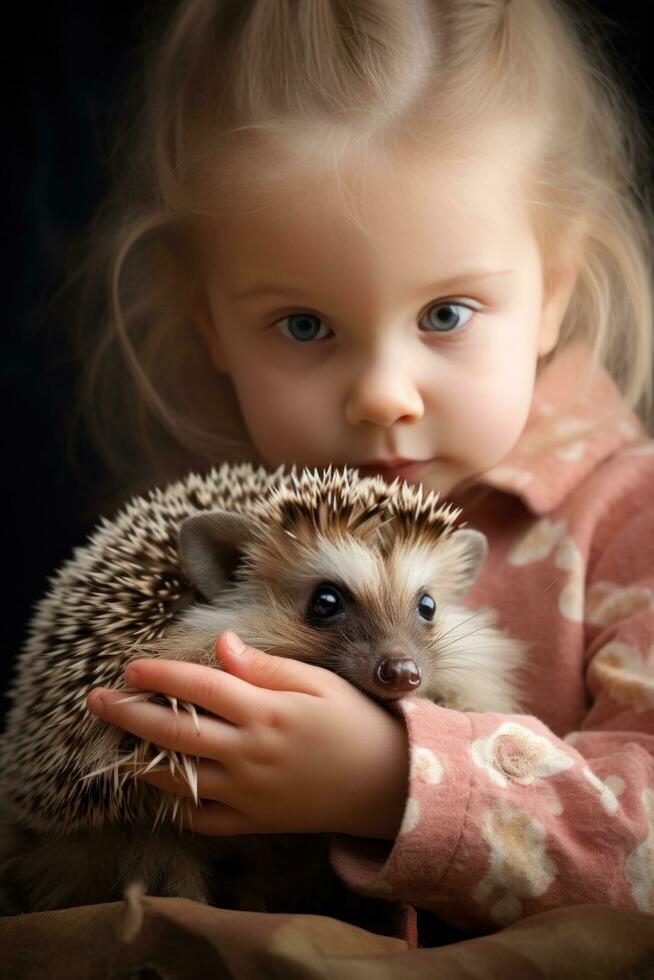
(568, 432)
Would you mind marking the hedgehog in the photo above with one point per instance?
(351, 573)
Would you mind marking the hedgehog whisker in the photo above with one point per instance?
(464, 621)
(451, 657)
(476, 630)
(517, 620)
(457, 639)
(530, 620)
(464, 668)
(451, 661)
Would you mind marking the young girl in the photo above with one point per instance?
(408, 237)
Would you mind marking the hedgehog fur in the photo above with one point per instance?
(66, 776)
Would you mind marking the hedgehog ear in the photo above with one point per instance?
(469, 548)
(210, 544)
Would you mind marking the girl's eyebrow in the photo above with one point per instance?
(471, 276)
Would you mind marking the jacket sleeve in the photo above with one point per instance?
(504, 819)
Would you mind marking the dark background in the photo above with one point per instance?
(68, 73)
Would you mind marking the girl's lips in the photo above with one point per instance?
(404, 472)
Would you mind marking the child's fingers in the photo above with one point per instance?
(219, 820)
(217, 739)
(221, 693)
(216, 816)
(212, 782)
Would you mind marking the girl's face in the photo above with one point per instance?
(418, 341)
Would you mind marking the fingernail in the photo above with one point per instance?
(234, 643)
(95, 701)
(102, 699)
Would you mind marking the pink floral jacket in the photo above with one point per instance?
(508, 815)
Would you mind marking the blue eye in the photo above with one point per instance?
(302, 326)
(305, 327)
(443, 320)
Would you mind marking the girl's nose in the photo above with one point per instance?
(383, 398)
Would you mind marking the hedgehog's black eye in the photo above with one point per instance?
(326, 601)
(426, 607)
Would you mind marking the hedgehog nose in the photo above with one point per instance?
(398, 674)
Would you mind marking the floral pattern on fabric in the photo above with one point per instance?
(639, 866)
(514, 754)
(510, 476)
(608, 602)
(427, 765)
(607, 797)
(555, 807)
(519, 863)
(538, 543)
(572, 595)
(624, 673)
(544, 538)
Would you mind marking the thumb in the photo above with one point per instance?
(263, 669)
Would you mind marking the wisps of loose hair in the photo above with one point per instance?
(332, 83)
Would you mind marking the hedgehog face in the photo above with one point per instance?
(356, 579)
(376, 617)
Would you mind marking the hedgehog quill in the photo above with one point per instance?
(353, 574)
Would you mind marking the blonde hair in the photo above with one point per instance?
(327, 82)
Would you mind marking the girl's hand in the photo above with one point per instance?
(294, 748)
